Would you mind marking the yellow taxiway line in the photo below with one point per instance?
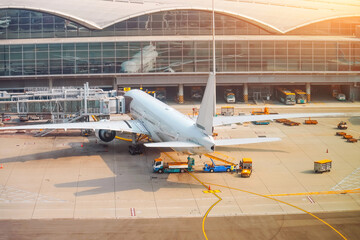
(315, 193)
(205, 184)
(208, 191)
(289, 204)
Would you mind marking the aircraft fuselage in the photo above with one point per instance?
(165, 124)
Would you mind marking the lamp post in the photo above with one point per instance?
(213, 48)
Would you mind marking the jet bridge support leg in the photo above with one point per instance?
(245, 93)
(135, 148)
(181, 93)
(308, 92)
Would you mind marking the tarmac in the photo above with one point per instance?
(68, 176)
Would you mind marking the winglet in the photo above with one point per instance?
(206, 112)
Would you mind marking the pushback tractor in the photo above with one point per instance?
(245, 167)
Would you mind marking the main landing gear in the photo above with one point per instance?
(135, 148)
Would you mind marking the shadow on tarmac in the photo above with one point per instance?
(308, 172)
(355, 120)
(136, 175)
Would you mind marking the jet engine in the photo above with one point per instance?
(105, 135)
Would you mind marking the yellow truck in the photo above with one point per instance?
(245, 167)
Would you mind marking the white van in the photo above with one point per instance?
(341, 97)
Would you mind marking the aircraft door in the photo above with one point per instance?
(128, 100)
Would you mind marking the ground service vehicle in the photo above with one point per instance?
(300, 95)
(282, 120)
(218, 168)
(291, 123)
(229, 96)
(341, 97)
(160, 166)
(352, 140)
(340, 133)
(322, 166)
(313, 122)
(196, 93)
(260, 111)
(285, 96)
(261, 122)
(227, 111)
(161, 94)
(347, 136)
(342, 125)
(245, 167)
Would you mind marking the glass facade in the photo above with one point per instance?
(23, 24)
(169, 56)
(178, 56)
(334, 27)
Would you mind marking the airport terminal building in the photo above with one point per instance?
(260, 44)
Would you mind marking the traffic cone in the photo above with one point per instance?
(82, 145)
(1, 167)
(209, 187)
(327, 150)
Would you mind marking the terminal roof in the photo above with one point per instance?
(275, 15)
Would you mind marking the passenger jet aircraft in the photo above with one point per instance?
(167, 127)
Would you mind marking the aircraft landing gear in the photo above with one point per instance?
(136, 149)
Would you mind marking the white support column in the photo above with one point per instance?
(50, 84)
(246, 93)
(181, 93)
(86, 90)
(114, 84)
(308, 92)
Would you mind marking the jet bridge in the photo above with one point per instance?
(62, 105)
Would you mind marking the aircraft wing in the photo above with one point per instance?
(240, 141)
(173, 144)
(225, 120)
(130, 126)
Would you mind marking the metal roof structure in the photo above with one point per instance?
(275, 15)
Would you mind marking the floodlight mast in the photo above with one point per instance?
(213, 48)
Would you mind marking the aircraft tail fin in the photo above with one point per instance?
(206, 111)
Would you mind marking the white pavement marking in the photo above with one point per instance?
(352, 181)
(310, 199)
(14, 195)
(132, 211)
